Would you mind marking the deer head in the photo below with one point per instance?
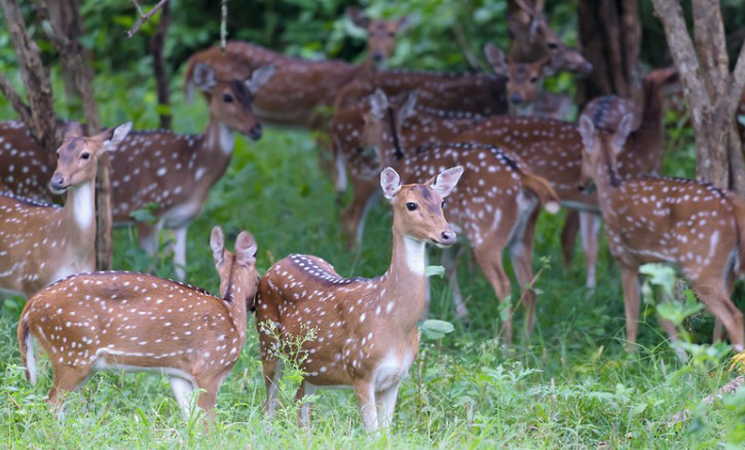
(601, 149)
(383, 123)
(230, 102)
(238, 275)
(77, 157)
(381, 34)
(417, 208)
(523, 79)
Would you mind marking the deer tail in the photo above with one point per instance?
(26, 346)
(542, 189)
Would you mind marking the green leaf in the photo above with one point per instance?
(436, 329)
(432, 271)
(146, 214)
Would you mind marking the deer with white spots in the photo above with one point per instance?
(42, 243)
(494, 204)
(300, 86)
(695, 226)
(174, 171)
(137, 322)
(366, 329)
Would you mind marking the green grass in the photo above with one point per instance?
(570, 384)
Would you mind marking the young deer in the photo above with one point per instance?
(367, 336)
(300, 86)
(176, 171)
(494, 203)
(524, 80)
(42, 243)
(137, 322)
(696, 226)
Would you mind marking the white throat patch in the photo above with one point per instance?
(415, 255)
(84, 205)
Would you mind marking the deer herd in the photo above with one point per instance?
(464, 160)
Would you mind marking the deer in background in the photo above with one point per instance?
(300, 86)
(174, 171)
(696, 226)
(42, 243)
(141, 323)
(367, 335)
(524, 85)
(493, 204)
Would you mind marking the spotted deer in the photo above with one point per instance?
(299, 86)
(366, 334)
(696, 226)
(136, 322)
(42, 243)
(174, 171)
(493, 204)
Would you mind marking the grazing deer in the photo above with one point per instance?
(524, 81)
(42, 243)
(366, 329)
(531, 38)
(136, 322)
(300, 86)
(493, 204)
(174, 171)
(696, 226)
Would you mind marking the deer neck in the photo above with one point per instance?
(404, 283)
(79, 215)
(647, 142)
(216, 151)
(606, 182)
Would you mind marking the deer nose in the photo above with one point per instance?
(377, 56)
(586, 67)
(57, 183)
(256, 131)
(516, 99)
(448, 237)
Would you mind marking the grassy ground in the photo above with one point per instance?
(569, 385)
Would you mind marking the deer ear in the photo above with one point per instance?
(378, 104)
(358, 17)
(390, 182)
(496, 59)
(258, 78)
(409, 107)
(72, 129)
(204, 77)
(245, 249)
(446, 181)
(217, 244)
(622, 133)
(113, 137)
(587, 131)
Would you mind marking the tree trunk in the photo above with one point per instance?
(157, 43)
(610, 36)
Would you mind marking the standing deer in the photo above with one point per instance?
(367, 335)
(493, 205)
(136, 322)
(696, 226)
(42, 243)
(174, 171)
(300, 86)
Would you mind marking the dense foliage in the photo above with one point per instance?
(570, 384)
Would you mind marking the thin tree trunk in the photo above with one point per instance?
(157, 43)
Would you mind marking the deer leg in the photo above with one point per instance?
(366, 402)
(179, 252)
(305, 408)
(182, 390)
(489, 258)
(568, 236)
(208, 396)
(272, 375)
(147, 235)
(386, 402)
(718, 334)
(66, 379)
(450, 257)
(589, 227)
(714, 295)
(630, 280)
(521, 252)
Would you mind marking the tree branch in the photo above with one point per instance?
(24, 112)
(144, 17)
(738, 83)
(224, 25)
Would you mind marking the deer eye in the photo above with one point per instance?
(534, 79)
(85, 155)
(552, 45)
(411, 206)
(227, 98)
(443, 204)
